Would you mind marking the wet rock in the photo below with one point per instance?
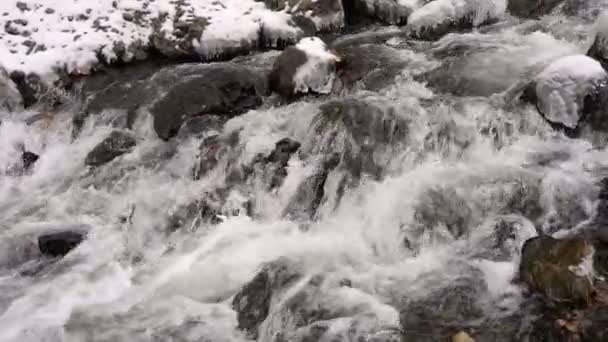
(253, 302)
(570, 94)
(29, 85)
(59, 244)
(307, 67)
(560, 270)
(391, 12)
(360, 132)
(115, 145)
(204, 211)
(532, 8)
(368, 66)
(445, 311)
(502, 239)
(183, 43)
(310, 193)
(599, 48)
(440, 17)
(210, 152)
(275, 164)
(328, 14)
(201, 126)
(219, 89)
(10, 98)
(444, 209)
(28, 159)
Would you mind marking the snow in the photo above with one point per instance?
(69, 34)
(318, 73)
(439, 11)
(562, 86)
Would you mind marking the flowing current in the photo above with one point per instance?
(421, 221)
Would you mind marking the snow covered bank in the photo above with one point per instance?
(43, 36)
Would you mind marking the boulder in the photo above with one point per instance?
(531, 9)
(30, 86)
(560, 270)
(326, 15)
(219, 89)
(275, 164)
(570, 93)
(60, 243)
(367, 66)
(599, 48)
(28, 159)
(440, 17)
(253, 302)
(115, 145)
(10, 98)
(391, 12)
(307, 67)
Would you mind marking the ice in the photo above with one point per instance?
(440, 11)
(318, 73)
(563, 84)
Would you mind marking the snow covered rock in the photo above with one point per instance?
(440, 17)
(599, 49)
(561, 91)
(10, 98)
(532, 8)
(327, 15)
(75, 36)
(307, 67)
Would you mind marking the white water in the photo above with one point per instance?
(135, 282)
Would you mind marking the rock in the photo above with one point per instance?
(444, 311)
(200, 126)
(115, 145)
(328, 15)
(59, 244)
(10, 98)
(532, 8)
(569, 94)
(30, 86)
(599, 49)
(310, 193)
(275, 164)
(360, 132)
(220, 89)
(184, 42)
(207, 210)
(440, 17)
(561, 270)
(210, 152)
(391, 12)
(444, 209)
(367, 66)
(28, 159)
(502, 239)
(307, 67)
(253, 302)
(462, 337)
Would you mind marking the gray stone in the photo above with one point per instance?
(115, 145)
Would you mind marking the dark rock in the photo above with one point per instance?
(360, 132)
(200, 126)
(10, 98)
(22, 6)
(505, 239)
(557, 269)
(368, 66)
(59, 244)
(115, 145)
(599, 50)
(444, 311)
(253, 302)
(203, 211)
(531, 8)
(285, 67)
(29, 159)
(389, 12)
(220, 89)
(210, 152)
(329, 13)
(275, 165)
(180, 44)
(30, 86)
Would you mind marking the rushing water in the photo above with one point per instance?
(462, 158)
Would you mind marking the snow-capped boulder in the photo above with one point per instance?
(307, 67)
(532, 8)
(440, 17)
(560, 91)
(599, 49)
(10, 98)
(327, 15)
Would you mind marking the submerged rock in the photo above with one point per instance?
(440, 17)
(221, 89)
(307, 67)
(10, 98)
(115, 145)
(253, 302)
(59, 244)
(561, 270)
(532, 8)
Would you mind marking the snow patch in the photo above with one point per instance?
(318, 73)
(562, 86)
(440, 11)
